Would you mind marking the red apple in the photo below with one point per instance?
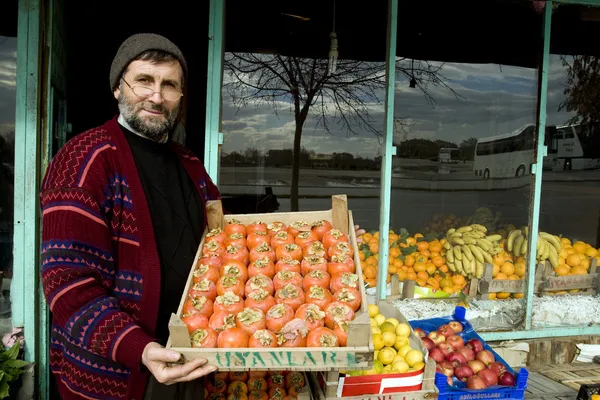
(456, 359)
(428, 343)
(507, 379)
(488, 376)
(467, 352)
(498, 368)
(446, 330)
(446, 368)
(463, 372)
(486, 357)
(436, 354)
(475, 382)
(436, 337)
(446, 348)
(455, 341)
(475, 345)
(476, 365)
(456, 326)
(420, 332)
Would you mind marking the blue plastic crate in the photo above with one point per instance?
(459, 390)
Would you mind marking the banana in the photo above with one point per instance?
(547, 249)
(553, 240)
(475, 234)
(511, 239)
(526, 230)
(517, 245)
(459, 267)
(457, 255)
(541, 247)
(447, 245)
(467, 252)
(524, 247)
(451, 266)
(464, 229)
(469, 240)
(472, 267)
(553, 257)
(479, 227)
(478, 269)
(476, 253)
(450, 231)
(457, 241)
(494, 238)
(488, 258)
(484, 244)
(450, 256)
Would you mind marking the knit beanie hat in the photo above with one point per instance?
(137, 44)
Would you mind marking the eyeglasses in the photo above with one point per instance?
(145, 92)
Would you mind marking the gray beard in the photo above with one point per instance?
(154, 130)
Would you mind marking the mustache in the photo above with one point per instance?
(153, 107)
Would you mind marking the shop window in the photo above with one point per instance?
(569, 202)
(8, 76)
(465, 79)
(297, 126)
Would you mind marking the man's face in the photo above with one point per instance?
(153, 116)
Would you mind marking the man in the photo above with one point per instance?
(123, 214)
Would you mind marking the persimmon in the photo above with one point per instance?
(232, 338)
(316, 278)
(259, 282)
(278, 316)
(288, 264)
(298, 226)
(263, 338)
(333, 237)
(275, 227)
(216, 234)
(235, 268)
(257, 238)
(293, 251)
(281, 239)
(260, 299)
(204, 338)
(250, 320)
(236, 239)
(322, 297)
(312, 315)
(229, 302)
(256, 226)
(198, 305)
(264, 250)
(290, 294)
(321, 228)
(284, 278)
(322, 337)
(235, 226)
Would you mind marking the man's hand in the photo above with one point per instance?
(156, 357)
(359, 233)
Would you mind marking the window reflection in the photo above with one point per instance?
(8, 73)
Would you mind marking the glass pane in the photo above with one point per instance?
(8, 77)
(297, 132)
(570, 208)
(465, 111)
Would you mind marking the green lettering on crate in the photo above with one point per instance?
(333, 357)
(219, 359)
(350, 359)
(275, 358)
(228, 357)
(257, 357)
(309, 354)
(289, 356)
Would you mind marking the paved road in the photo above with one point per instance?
(568, 208)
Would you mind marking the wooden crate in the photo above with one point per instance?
(358, 354)
(324, 389)
(587, 285)
(487, 284)
(572, 375)
(408, 291)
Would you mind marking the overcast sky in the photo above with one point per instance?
(493, 100)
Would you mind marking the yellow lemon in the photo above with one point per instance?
(386, 356)
(373, 323)
(373, 310)
(376, 330)
(378, 342)
(380, 319)
(403, 330)
(398, 358)
(404, 350)
(358, 372)
(394, 321)
(387, 369)
(389, 338)
(413, 357)
(400, 342)
(418, 366)
(375, 354)
(387, 327)
(400, 366)
(377, 368)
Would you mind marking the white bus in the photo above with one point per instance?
(509, 155)
(577, 147)
(449, 155)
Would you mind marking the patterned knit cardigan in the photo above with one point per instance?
(100, 266)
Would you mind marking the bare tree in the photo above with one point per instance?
(344, 98)
(582, 90)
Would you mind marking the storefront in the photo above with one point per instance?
(429, 116)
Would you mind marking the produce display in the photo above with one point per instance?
(272, 285)
(465, 362)
(440, 223)
(254, 385)
(411, 258)
(393, 352)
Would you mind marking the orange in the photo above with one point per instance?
(366, 237)
(421, 282)
(501, 276)
(411, 276)
(444, 268)
(502, 295)
(436, 247)
(447, 289)
(518, 295)
(520, 269)
(431, 269)
(409, 261)
(578, 271)
(371, 282)
(401, 275)
(495, 270)
(422, 275)
(422, 246)
(395, 252)
(419, 267)
(398, 263)
(362, 256)
(562, 270)
(438, 261)
(507, 268)
(370, 272)
(573, 260)
(492, 296)
(374, 247)
(446, 282)
(392, 269)
(458, 280)
(579, 247)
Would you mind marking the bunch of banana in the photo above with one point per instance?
(548, 246)
(484, 216)
(468, 248)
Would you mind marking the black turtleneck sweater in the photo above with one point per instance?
(177, 218)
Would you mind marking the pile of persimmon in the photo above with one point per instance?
(254, 385)
(272, 285)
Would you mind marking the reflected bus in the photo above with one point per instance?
(577, 147)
